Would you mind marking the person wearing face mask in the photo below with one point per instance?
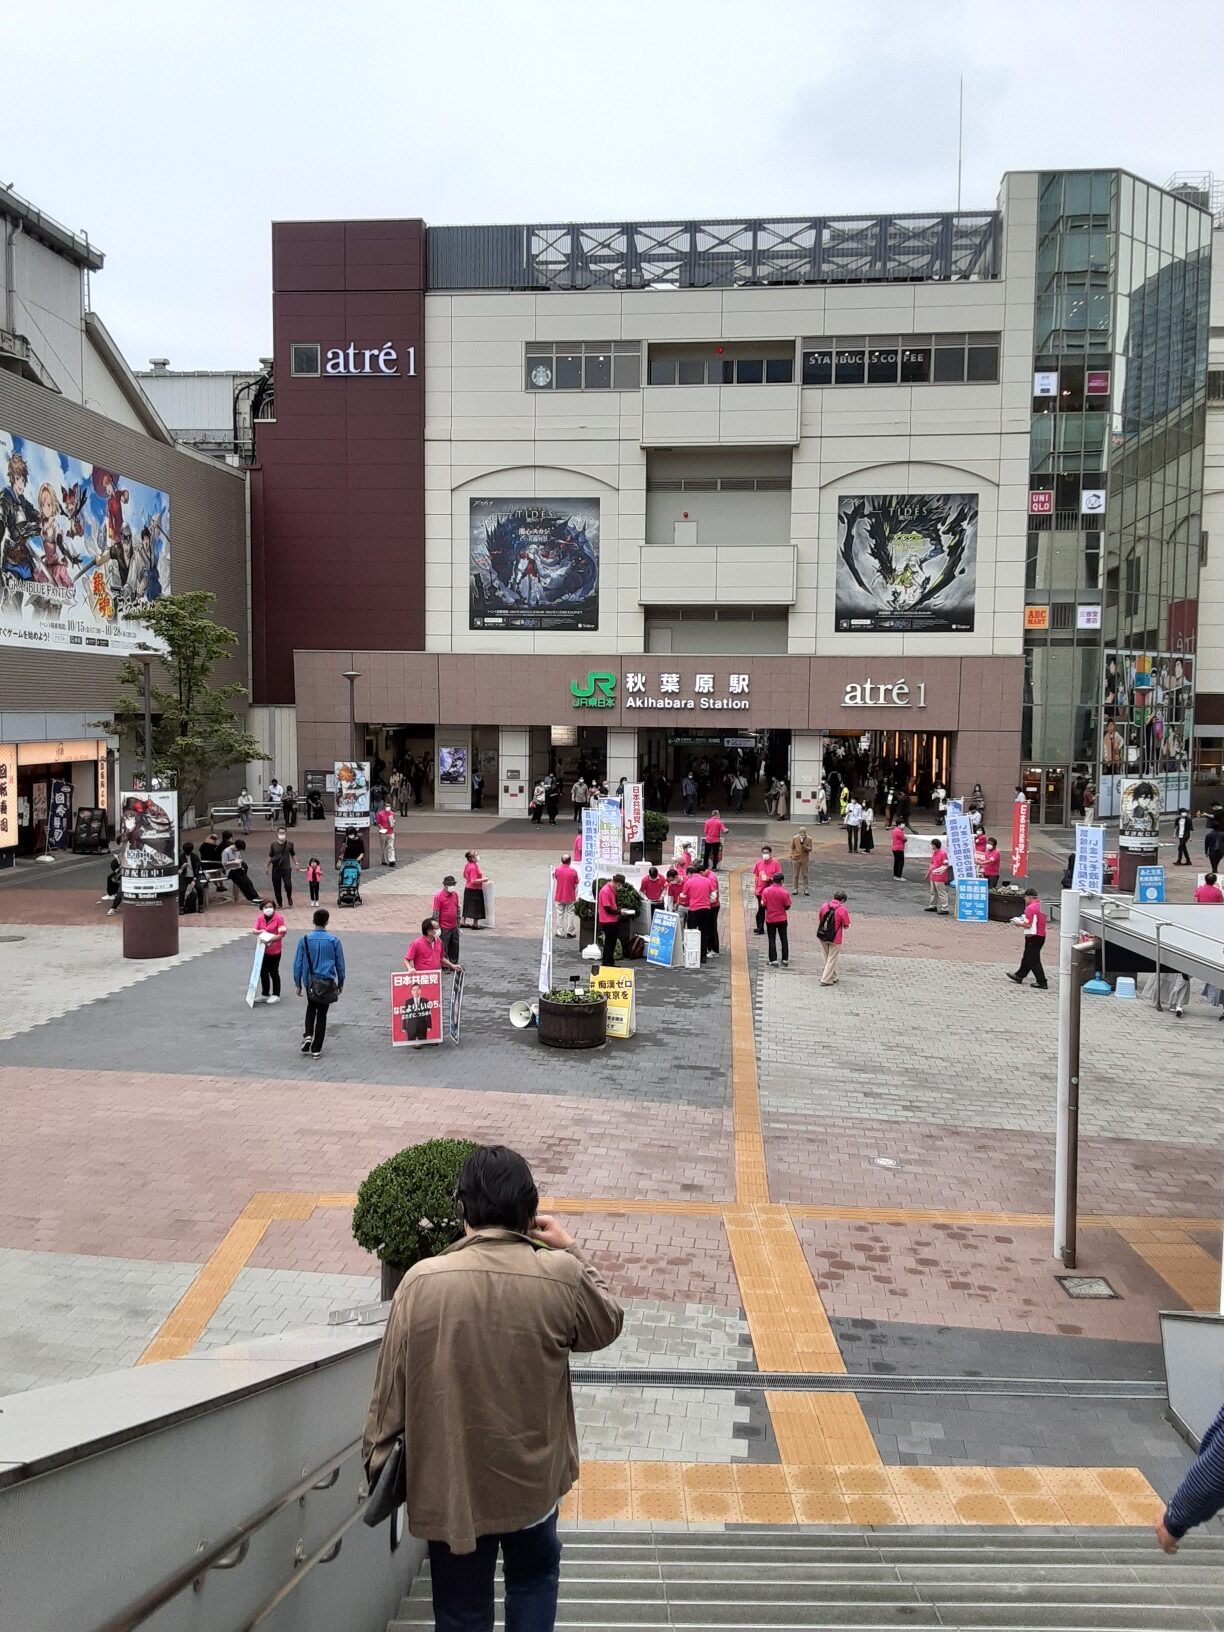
(270, 927)
(281, 864)
(762, 876)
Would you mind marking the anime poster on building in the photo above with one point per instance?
(81, 547)
(148, 843)
(416, 1008)
(352, 797)
(534, 564)
(1147, 726)
(907, 562)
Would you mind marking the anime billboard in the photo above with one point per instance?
(80, 548)
(1147, 726)
(533, 564)
(907, 562)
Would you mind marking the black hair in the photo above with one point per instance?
(1031, 895)
(226, 833)
(188, 848)
(496, 1190)
(839, 895)
(321, 917)
(425, 924)
(1209, 878)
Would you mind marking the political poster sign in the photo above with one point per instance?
(416, 1007)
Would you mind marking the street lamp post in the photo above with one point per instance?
(352, 676)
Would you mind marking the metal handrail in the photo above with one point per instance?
(238, 1541)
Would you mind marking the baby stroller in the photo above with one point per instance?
(348, 893)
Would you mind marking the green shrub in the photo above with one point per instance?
(657, 827)
(406, 1205)
(626, 896)
(572, 994)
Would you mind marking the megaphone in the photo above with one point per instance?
(522, 1015)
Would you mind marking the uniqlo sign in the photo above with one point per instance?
(1041, 502)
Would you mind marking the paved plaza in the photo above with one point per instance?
(847, 1185)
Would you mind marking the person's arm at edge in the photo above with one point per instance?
(1200, 1495)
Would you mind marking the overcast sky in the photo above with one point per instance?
(183, 130)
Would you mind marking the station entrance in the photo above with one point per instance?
(871, 762)
(715, 759)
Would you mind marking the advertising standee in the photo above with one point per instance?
(416, 1007)
(1150, 886)
(148, 843)
(662, 944)
(972, 901)
(352, 798)
(618, 984)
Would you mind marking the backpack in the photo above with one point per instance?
(826, 929)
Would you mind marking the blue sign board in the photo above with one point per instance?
(972, 901)
(1149, 886)
(661, 947)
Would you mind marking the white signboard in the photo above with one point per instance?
(608, 844)
(1045, 382)
(590, 855)
(960, 847)
(1089, 874)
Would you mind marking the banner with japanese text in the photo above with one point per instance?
(1089, 874)
(960, 847)
(148, 843)
(1020, 838)
(635, 813)
(416, 1007)
(609, 846)
(588, 866)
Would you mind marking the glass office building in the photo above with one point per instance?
(1116, 476)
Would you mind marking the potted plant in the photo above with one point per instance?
(657, 829)
(627, 898)
(1005, 903)
(573, 1017)
(406, 1206)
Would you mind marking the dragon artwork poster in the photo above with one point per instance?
(81, 546)
(534, 564)
(907, 562)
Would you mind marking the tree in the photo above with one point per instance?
(196, 732)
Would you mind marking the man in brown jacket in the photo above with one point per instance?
(800, 855)
(474, 1372)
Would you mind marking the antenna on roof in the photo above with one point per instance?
(960, 141)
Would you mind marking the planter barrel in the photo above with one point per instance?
(392, 1275)
(573, 1025)
(1004, 907)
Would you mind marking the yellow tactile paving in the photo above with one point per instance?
(822, 1429)
(751, 1169)
(789, 1327)
(1190, 1270)
(747, 1493)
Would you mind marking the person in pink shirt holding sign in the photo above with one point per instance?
(763, 871)
(711, 853)
(446, 911)
(565, 894)
(270, 923)
(426, 951)
(991, 862)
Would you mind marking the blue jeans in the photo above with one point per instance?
(463, 1582)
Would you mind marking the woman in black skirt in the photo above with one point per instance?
(473, 891)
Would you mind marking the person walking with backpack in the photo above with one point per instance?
(777, 901)
(937, 877)
(1033, 921)
(318, 967)
(832, 924)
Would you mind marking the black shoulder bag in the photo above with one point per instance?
(320, 989)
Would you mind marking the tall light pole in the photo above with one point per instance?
(352, 676)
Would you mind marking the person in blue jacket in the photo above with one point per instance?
(318, 965)
(1200, 1496)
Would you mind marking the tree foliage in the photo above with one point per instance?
(196, 732)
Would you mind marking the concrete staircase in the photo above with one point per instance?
(926, 1580)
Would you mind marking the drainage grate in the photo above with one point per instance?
(840, 1382)
(1086, 1286)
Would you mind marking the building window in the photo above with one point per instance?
(699, 368)
(1215, 384)
(304, 359)
(908, 359)
(608, 365)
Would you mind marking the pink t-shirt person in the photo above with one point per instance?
(991, 861)
(940, 865)
(763, 872)
(424, 953)
(777, 903)
(567, 884)
(446, 908)
(1208, 894)
(652, 888)
(696, 892)
(609, 912)
(577, 846)
(898, 837)
(472, 875)
(841, 919)
(274, 926)
(715, 827)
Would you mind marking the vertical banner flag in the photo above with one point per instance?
(1089, 874)
(956, 807)
(622, 1008)
(416, 1007)
(8, 795)
(661, 946)
(456, 1006)
(589, 864)
(546, 945)
(59, 817)
(609, 846)
(960, 848)
(635, 813)
(1020, 837)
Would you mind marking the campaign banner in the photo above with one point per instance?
(609, 846)
(148, 843)
(618, 984)
(352, 793)
(59, 816)
(1150, 886)
(635, 813)
(546, 942)
(416, 1007)
(661, 942)
(82, 548)
(960, 848)
(972, 901)
(1020, 838)
(588, 865)
(456, 1007)
(252, 991)
(1139, 814)
(1089, 874)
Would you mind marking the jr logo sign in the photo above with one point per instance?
(596, 691)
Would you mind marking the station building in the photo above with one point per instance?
(919, 490)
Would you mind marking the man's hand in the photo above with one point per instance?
(546, 1229)
(1167, 1542)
